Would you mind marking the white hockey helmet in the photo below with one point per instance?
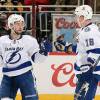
(14, 18)
(84, 10)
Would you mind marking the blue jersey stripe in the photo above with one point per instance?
(33, 57)
(97, 51)
(1, 57)
(24, 65)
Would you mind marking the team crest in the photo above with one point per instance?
(87, 29)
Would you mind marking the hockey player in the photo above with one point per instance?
(88, 52)
(16, 52)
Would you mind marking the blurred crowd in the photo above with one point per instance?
(11, 3)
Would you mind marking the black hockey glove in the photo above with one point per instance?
(43, 52)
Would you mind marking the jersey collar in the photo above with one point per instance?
(87, 25)
(17, 39)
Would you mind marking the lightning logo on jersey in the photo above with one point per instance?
(13, 57)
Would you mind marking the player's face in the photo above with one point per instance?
(18, 27)
(80, 20)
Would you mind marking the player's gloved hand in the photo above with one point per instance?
(91, 60)
(85, 68)
(43, 52)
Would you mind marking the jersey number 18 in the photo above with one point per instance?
(89, 42)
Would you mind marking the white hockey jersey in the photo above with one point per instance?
(88, 46)
(15, 55)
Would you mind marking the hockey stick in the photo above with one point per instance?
(85, 84)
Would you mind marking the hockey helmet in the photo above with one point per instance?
(84, 10)
(14, 18)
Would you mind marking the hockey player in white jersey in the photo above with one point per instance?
(88, 51)
(16, 52)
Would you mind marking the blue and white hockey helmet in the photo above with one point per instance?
(84, 10)
(14, 18)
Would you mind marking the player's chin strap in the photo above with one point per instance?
(6, 98)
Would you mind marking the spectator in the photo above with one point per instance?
(15, 3)
(59, 2)
(60, 43)
(3, 24)
(9, 3)
(20, 9)
(71, 2)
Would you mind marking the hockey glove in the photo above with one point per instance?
(85, 68)
(43, 52)
(92, 58)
